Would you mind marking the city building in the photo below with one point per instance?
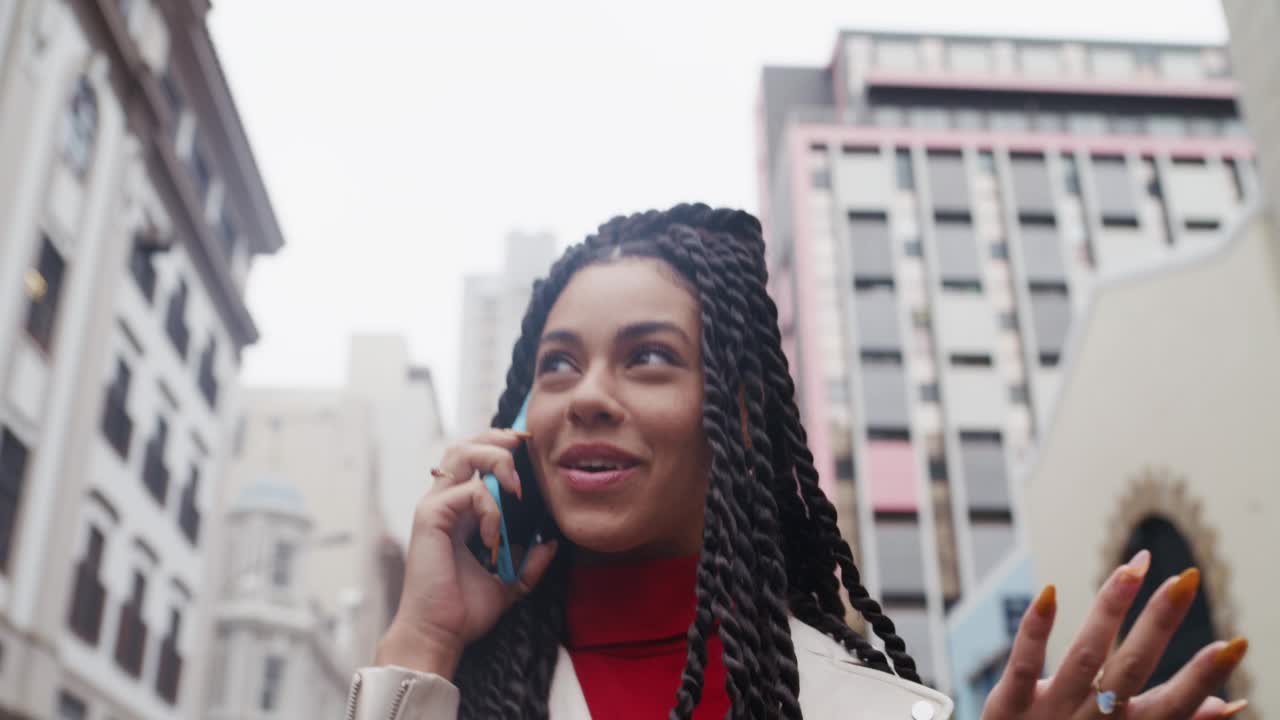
(358, 456)
(492, 308)
(938, 208)
(274, 653)
(131, 210)
(1164, 435)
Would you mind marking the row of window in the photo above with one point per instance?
(117, 428)
(88, 602)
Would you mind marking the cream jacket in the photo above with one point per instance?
(832, 685)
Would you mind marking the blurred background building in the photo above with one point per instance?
(939, 208)
(358, 456)
(492, 308)
(131, 210)
(274, 653)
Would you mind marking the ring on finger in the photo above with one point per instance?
(1106, 700)
(445, 475)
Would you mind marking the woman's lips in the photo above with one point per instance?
(595, 481)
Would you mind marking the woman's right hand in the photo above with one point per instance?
(450, 599)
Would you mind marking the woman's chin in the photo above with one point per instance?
(602, 535)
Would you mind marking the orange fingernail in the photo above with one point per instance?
(493, 556)
(1047, 601)
(1231, 655)
(1136, 568)
(1184, 588)
(523, 434)
(1234, 709)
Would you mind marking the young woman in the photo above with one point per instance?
(699, 571)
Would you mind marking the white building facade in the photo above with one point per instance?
(130, 211)
(492, 308)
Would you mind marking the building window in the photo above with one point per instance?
(970, 360)
(987, 162)
(906, 174)
(1008, 320)
(189, 513)
(282, 564)
(142, 268)
(1000, 250)
(89, 594)
(131, 642)
(1050, 358)
(913, 248)
(968, 287)
(1019, 394)
(117, 426)
(80, 128)
(155, 475)
(44, 288)
(169, 675)
(229, 234)
(71, 707)
(821, 178)
(13, 469)
(930, 393)
(845, 468)
(201, 174)
(1071, 174)
(175, 323)
(208, 380)
(272, 681)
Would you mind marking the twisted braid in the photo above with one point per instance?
(770, 543)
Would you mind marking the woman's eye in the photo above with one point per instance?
(653, 356)
(554, 362)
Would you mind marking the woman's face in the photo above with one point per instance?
(616, 411)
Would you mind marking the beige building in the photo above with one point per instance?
(492, 308)
(358, 455)
(131, 210)
(1165, 433)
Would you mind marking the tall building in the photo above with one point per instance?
(131, 210)
(275, 654)
(938, 209)
(358, 456)
(1253, 27)
(492, 308)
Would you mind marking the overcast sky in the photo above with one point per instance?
(400, 140)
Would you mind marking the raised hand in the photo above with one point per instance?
(1093, 682)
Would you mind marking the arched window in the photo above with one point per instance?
(1170, 555)
(80, 127)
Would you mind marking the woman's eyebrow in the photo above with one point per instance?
(568, 337)
(640, 329)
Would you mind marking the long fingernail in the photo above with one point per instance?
(1231, 655)
(1047, 601)
(493, 555)
(519, 487)
(1136, 568)
(1184, 588)
(1233, 709)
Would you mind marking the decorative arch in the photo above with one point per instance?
(1158, 503)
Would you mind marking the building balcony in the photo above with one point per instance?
(117, 427)
(131, 642)
(87, 601)
(169, 676)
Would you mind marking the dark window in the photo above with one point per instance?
(272, 679)
(80, 128)
(930, 393)
(44, 287)
(921, 318)
(282, 564)
(962, 286)
(1015, 606)
(13, 469)
(1202, 225)
(820, 178)
(131, 642)
(906, 174)
(117, 426)
(1019, 394)
(987, 162)
(169, 674)
(872, 246)
(845, 468)
(175, 323)
(913, 248)
(88, 594)
(1050, 359)
(1120, 222)
(229, 234)
(71, 707)
(1071, 174)
(142, 268)
(208, 380)
(1008, 320)
(189, 513)
(970, 360)
(1000, 250)
(155, 474)
(201, 174)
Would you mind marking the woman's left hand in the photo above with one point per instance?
(1070, 694)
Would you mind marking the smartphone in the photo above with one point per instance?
(525, 523)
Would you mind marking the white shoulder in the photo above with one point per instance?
(834, 684)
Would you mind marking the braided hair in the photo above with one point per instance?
(770, 547)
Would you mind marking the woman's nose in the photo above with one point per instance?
(592, 404)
